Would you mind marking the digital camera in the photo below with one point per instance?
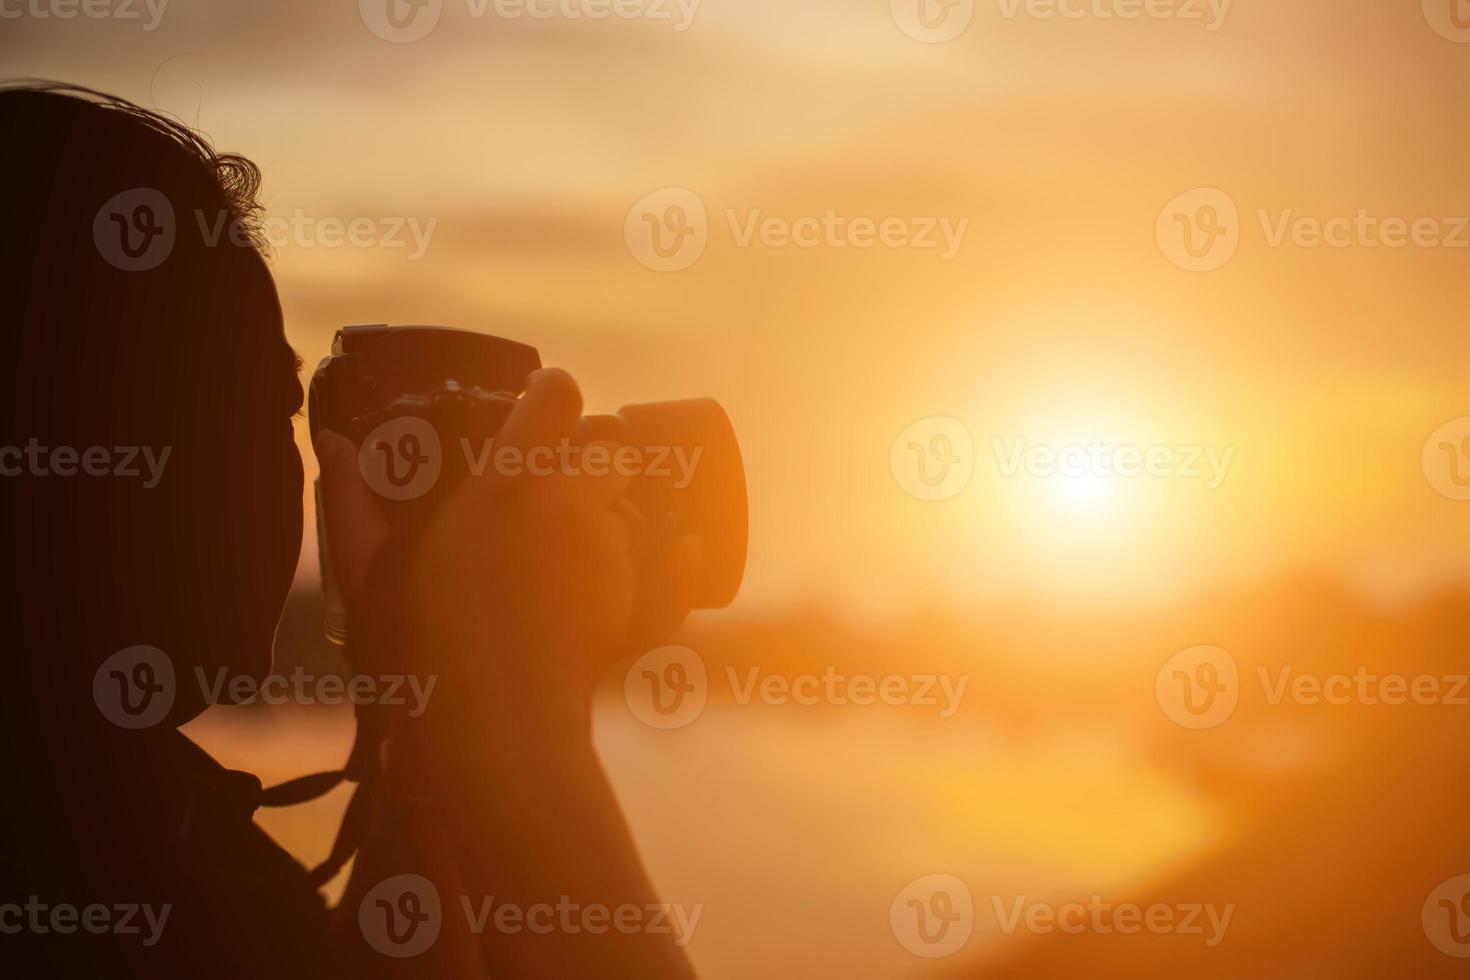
(424, 404)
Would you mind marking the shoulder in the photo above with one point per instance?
(151, 864)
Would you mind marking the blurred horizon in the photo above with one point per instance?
(1057, 778)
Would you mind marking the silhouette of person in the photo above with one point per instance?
(152, 492)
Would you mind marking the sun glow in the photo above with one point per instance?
(1089, 494)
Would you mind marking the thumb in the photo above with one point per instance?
(353, 515)
(668, 591)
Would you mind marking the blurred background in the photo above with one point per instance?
(1098, 233)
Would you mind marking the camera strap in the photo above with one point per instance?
(374, 641)
(362, 769)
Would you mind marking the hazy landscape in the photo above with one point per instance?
(1059, 778)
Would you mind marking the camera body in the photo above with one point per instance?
(424, 404)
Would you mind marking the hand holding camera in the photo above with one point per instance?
(534, 575)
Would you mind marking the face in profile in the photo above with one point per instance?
(184, 356)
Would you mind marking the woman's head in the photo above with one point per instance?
(145, 335)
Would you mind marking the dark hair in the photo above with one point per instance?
(187, 352)
(235, 177)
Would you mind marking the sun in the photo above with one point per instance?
(1085, 494)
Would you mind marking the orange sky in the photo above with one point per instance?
(1059, 319)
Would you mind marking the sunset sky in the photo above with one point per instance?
(1057, 142)
(924, 259)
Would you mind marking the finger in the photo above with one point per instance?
(547, 413)
(598, 476)
(355, 523)
(668, 591)
(635, 522)
(683, 570)
(608, 428)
